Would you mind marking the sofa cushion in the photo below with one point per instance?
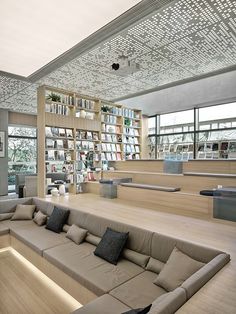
(138, 291)
(23, 212)
(38, 238)
(16, 224)
(57, 219)
(139, 239)
(154, 265)
(177, 269)
(135, 257)
(40, 219)
(103, 305)
(163, 245)
(76, 234)
(169, 303)
(144, 310)
(111, 245)
(9, 206)
(6, 216)
(92, 239)
(198, 279)
(91, 271)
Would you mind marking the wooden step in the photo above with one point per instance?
(151, 187)
(178, 202)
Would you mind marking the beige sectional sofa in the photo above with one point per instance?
(111, 288)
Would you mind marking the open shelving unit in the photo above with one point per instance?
(77, 132)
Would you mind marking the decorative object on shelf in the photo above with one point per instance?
(127, 122)
(54, 192)
(62, 189)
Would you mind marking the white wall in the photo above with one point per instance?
(208, 91)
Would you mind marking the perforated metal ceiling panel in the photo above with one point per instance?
(183, 40)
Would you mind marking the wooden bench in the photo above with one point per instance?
(208, 174)
(151, 187)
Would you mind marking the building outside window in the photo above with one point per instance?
(210, 135)
(22, 153)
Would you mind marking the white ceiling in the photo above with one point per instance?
(33, 32)
(179, 41)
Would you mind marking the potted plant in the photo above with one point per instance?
(54, 97)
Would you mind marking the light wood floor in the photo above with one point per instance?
(218, 296)
(24, 290)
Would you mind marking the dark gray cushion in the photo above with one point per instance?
(111, 245)
(139, 311)
(57, 219)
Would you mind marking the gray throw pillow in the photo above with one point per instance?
(139, 311)
(177, 269)
(76, 234)
(40, 219)
(6, 216)
(23, 212)
(57, 219)
(111, 245)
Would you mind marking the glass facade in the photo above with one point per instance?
(205, 133)
(22, 152)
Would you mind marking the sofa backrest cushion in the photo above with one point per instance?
(139, 239)
(154, 265)
(163, 245)
(44, 206)
(9, 206)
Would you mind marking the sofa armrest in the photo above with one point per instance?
(169, 303)
(203, 275)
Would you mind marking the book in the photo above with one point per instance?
(69, 133)
(51, 155)
(55, 132)
(62, 132)
(71, 144)
(60, 155)
(89, 135)
(49, 143)
(95, 136)
(48, 131)
(59, 144)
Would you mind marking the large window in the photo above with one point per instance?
(22, 152)
(205, 133)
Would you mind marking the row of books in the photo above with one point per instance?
(85, 103)
(61, 167)
(130, 140)
(107, 147)
(109, 119)
(62, 98)
(129, 113)
(59, 155)
(111, 137)
(82, 156)
(111, 128)
(58, 109)
(88, 135)
(59, 144)
(58, 132)
(131, 131)
(132, 156)
(114, 110)
(111, 156)
(87, 145)
(85, 114)
(131, 148)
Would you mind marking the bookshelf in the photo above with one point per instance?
(132, 133)
(76, 132)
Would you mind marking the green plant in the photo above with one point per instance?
(105, 108)
(54, 97)
(127, 121)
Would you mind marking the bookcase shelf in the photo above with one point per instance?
(77, 131)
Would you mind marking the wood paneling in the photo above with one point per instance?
(18, 118)
(24, 291)
(212, 166)
(4, 241)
